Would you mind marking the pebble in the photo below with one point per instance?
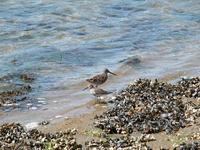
(41, 98)
(44, 123)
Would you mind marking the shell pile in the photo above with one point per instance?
(123, 143)
(151, 107)
(14, 136)
(188, 146)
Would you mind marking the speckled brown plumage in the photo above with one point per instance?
(97, 91)
(100, 78)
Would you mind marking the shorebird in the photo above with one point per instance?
(97, 92)
(100, 78)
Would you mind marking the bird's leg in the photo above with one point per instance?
(85, 88)
(98, 99)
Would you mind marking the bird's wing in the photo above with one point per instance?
(94, 79)
(101, 91)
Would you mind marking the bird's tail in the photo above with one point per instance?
(109, 92)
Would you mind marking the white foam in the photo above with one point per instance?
(42, 102)
(8, 104)
(29, 104)
(31, 125)
(58, 116)
(41, 98)
(33, 108)
(113, 98)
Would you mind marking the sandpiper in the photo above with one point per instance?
(97, 92)
(100, 78)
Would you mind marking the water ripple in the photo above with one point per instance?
(49, 34)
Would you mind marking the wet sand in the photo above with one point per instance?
(83, 123)
(1, 113)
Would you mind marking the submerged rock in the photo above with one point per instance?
(131, 61)
(27, 77)
(15, 88)
(12, 95)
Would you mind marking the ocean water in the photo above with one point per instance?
(64, 42)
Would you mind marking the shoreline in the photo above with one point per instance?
(86, 131)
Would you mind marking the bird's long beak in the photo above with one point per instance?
(112, 73)
(85, 88)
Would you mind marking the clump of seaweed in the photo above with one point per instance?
(15, 88)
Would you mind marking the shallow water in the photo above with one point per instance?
(65, 42)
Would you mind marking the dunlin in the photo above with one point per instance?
(100, 78)
(97, 92)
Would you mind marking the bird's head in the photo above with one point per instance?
(108, 71)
